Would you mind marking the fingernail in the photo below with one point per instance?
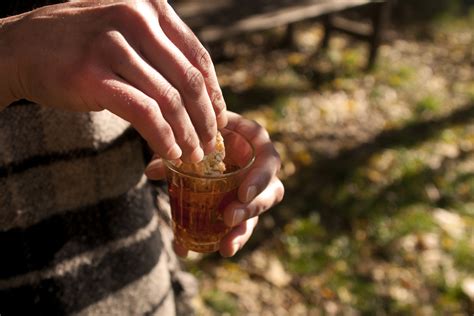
(197, 155)
(239, 216)
(175, 152)
(251, 193)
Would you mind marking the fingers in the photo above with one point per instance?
(250, 129)
(127, 63)
(244, 226)
(267, 161)
(231, 243)
(238, 212)
(141, 111)
(167, 59)
(147, 59)
(155, 170)
(185, 40)
(260, 190)
(237, 237)
(244, 217)
(265, 167)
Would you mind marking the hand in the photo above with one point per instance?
(134, 58)
(260, 190)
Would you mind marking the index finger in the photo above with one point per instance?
(141, 111)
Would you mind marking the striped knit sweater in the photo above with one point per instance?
(81, 230)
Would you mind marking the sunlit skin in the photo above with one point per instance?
(260, 190)
(138, 60)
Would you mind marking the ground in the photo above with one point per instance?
(378, 166)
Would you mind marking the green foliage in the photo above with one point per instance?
(303, 243)
(366, 298)
(450, 300)
(464, 254)
(401, 76)
(470, 90)
(412, 219)
(428, 104)
(352, 61)
(221, 302)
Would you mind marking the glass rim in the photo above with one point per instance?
(172, 167)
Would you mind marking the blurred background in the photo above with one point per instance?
(378, 165)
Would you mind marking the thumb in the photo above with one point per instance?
(155, 169)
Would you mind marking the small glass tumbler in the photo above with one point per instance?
(197, 202)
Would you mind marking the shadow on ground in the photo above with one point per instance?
(318, 187)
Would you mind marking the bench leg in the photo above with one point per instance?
(380, 16)
(289, 39)
(327, 31)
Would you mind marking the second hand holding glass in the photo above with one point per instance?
(198, 201)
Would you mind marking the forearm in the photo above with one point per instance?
(7, 63)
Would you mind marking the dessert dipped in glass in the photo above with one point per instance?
(200, 192)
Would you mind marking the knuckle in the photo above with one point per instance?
(217, 101)
(194, 80)
(203, 59)
(126, 15)
(259, 209)
(123, 11)
(145, 111)
(167, 133)
(173, 100)
(163, 6)
(107, 41)
(258, 131)
(120, 8)
(280, 192)
(190, 139)
(167, 138)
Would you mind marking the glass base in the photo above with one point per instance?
(197, 247)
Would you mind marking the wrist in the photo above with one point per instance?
(7, 63)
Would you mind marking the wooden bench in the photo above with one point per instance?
(216, 20)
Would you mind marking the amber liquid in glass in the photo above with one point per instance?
(198, 217)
